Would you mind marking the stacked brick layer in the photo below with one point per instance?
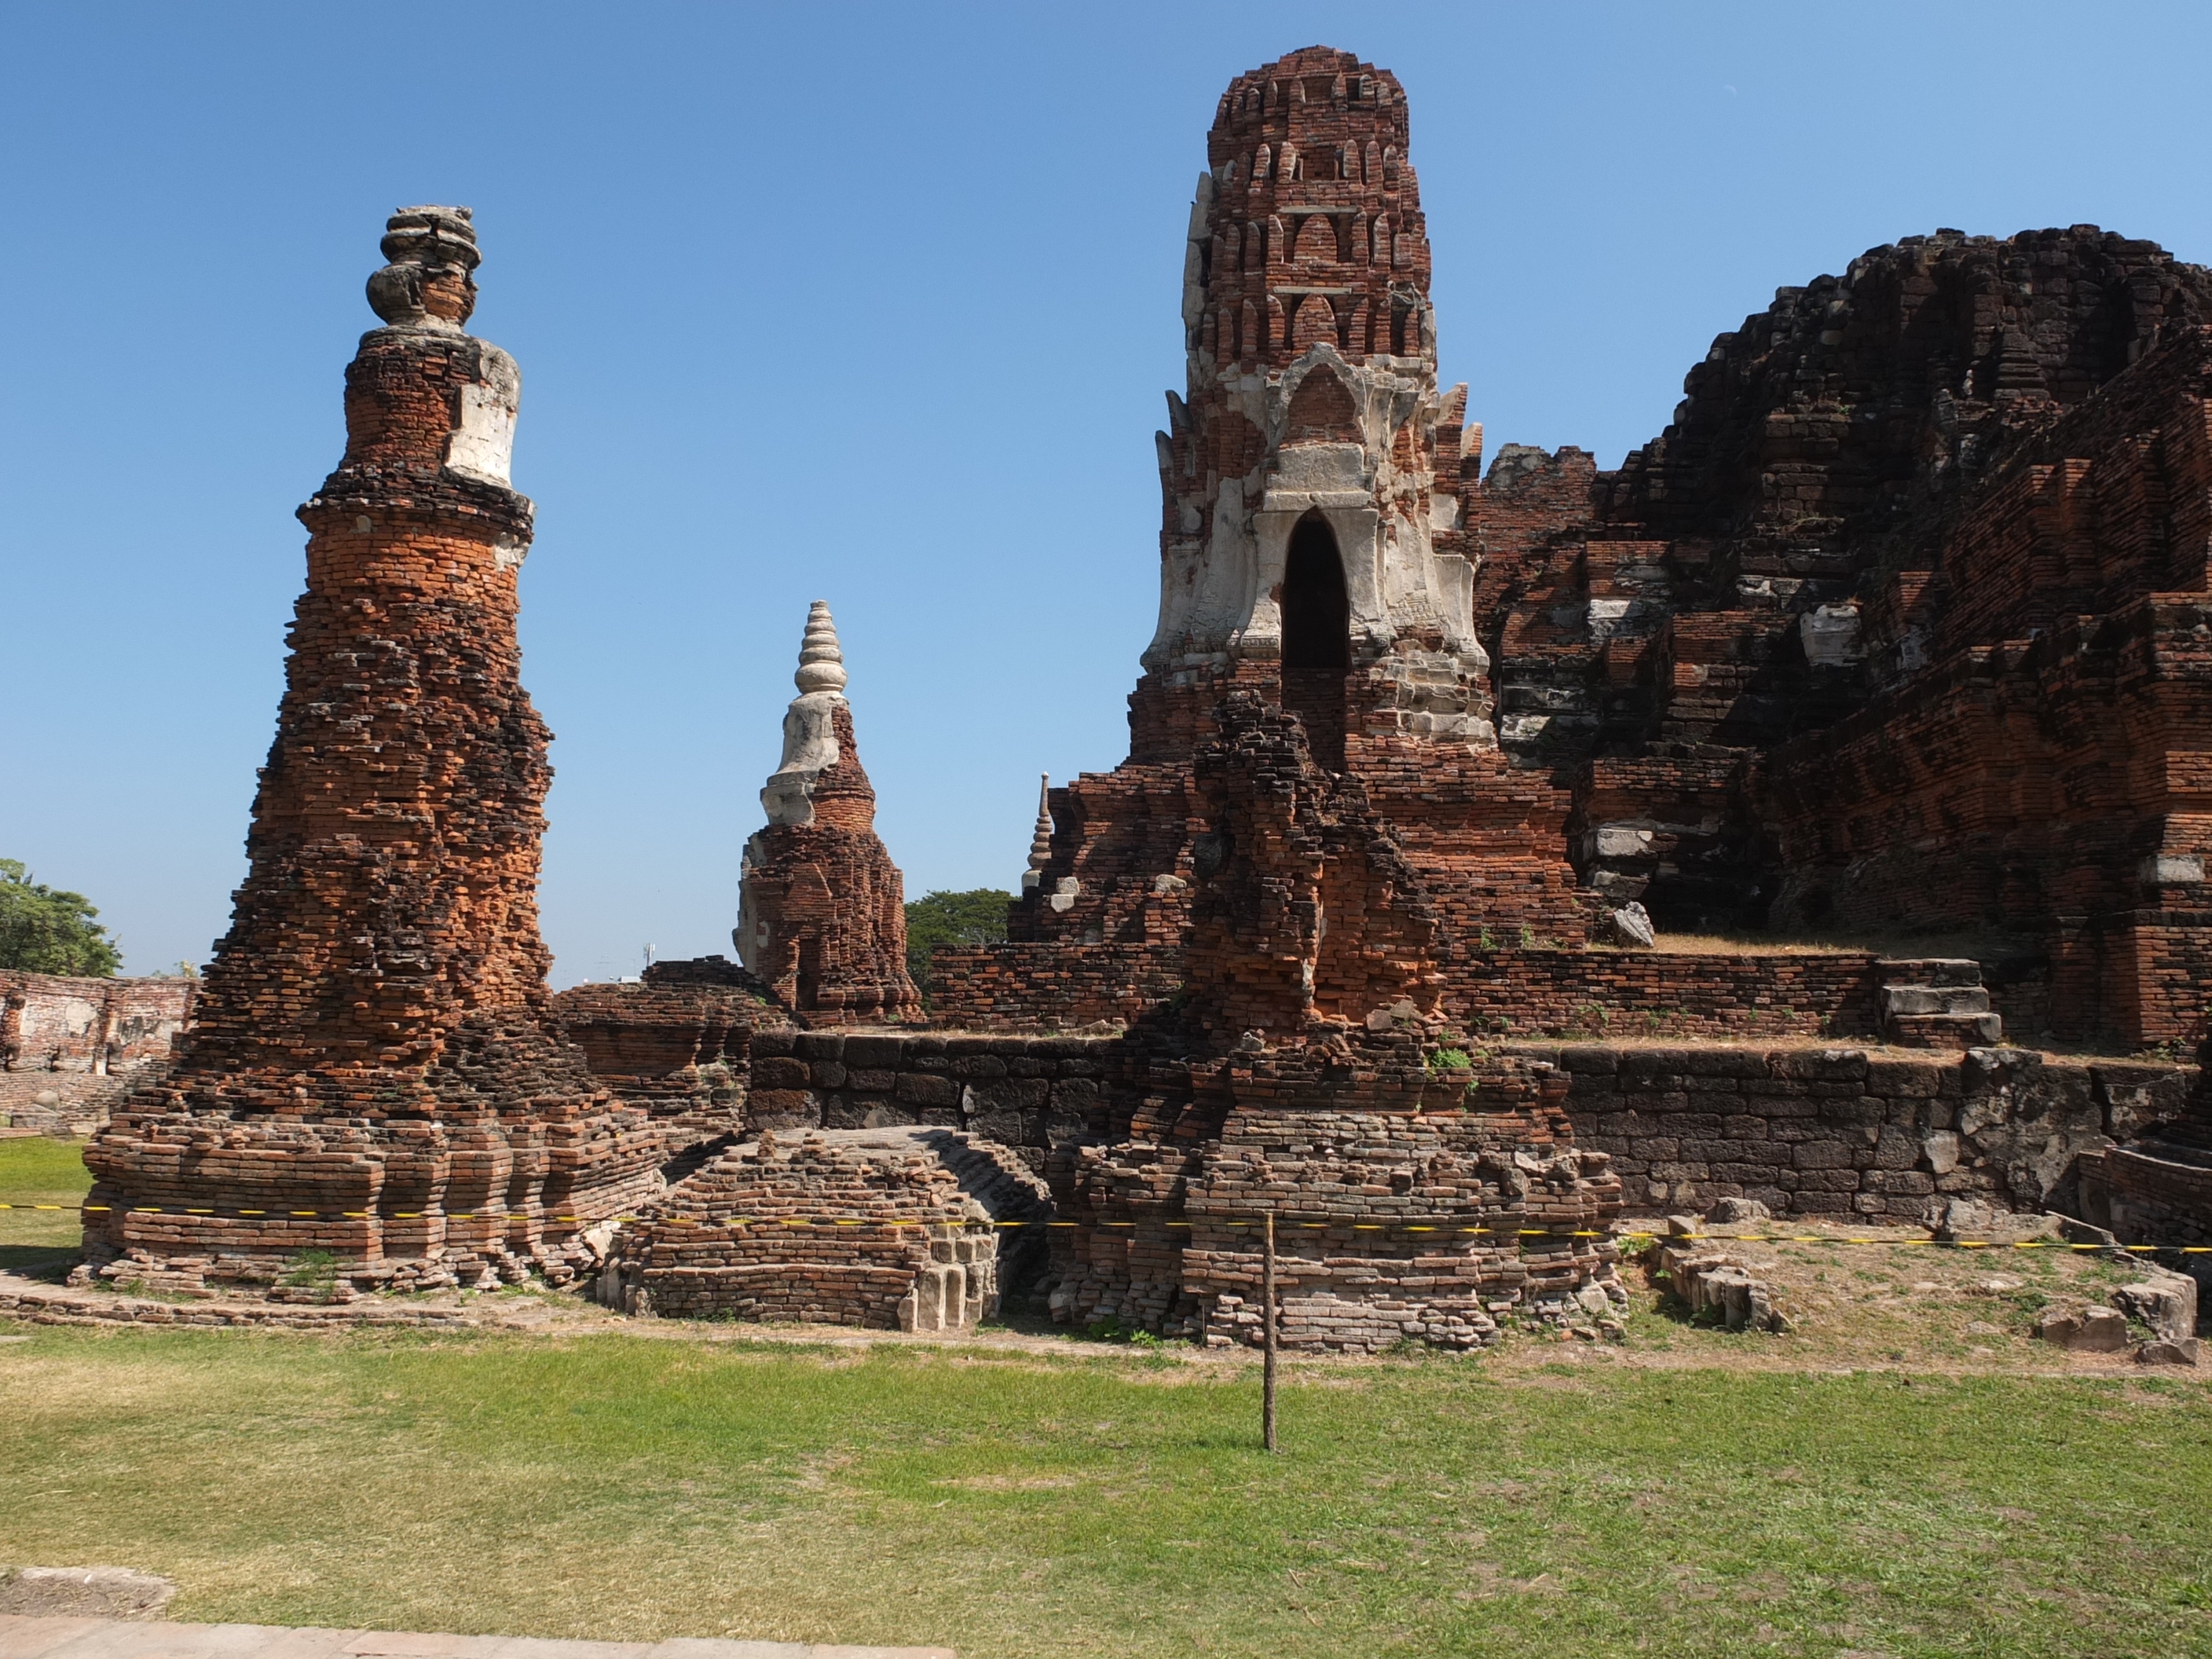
(888, 1229)
(1379, 1170)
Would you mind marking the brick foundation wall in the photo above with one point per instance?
(1025, 982)
(1648, 994)
(1031, 1093)
(1533, 993)
(1838, 1131)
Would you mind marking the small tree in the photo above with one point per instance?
(975, 917)
(43, 931)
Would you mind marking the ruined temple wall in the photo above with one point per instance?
(1031, 1093)
(1630, 994)
(1019, 983)
(53, 1022)
(1505, 989)
(1840, 1132)
(2054, 788)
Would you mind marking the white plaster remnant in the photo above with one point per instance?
(1831, 635)
(810, 729)
(2161, 869)
(1224, 561)
(482, 446)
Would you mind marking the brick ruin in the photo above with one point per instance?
(373, 1068)
(70, 1048)
(898, 1228)
(822, 914)
(1896, 637)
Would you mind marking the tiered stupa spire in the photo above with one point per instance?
(822, 908)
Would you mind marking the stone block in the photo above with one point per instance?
(925, 1089)
(779, 1073)
(875, 1052)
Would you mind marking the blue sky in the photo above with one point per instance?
(869, 304)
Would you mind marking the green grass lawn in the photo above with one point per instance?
(36, 1170)
(1013, 1504)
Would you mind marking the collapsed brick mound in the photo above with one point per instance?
(900, 1227)
(1412, 1202)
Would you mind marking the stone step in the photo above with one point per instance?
(1929, 970)
(1945, 1031)
(1935, 1000)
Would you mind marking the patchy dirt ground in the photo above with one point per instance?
(1857, 1299)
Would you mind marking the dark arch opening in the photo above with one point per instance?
(1317, 638)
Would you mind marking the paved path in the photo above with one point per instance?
(23, 1637)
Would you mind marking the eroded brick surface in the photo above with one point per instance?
(822, 920)
(373, 1046)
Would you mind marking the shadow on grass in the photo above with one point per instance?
(48, 1262)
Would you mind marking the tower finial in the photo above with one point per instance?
(1041, 838)
(428, 282)
(821, 659)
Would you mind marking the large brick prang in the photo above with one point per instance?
(373, 1070)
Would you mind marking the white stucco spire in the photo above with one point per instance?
(1041, 838)
(821, 661)
(810, 730)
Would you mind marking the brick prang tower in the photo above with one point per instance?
(1314, 553)
(373, 1071)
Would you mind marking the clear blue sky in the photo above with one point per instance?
(873, 304)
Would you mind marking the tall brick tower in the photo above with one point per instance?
(1305, 536)
(373, 1070)
(822, 914)
(1313, 554)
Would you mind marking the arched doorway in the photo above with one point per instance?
(1317, 638)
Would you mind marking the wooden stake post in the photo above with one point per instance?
(1268, 1337)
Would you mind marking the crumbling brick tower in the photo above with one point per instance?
(1420, 1192)
(372, 1071)
(822, 912)
(1312, 550)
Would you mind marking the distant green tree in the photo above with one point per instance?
(975, 917)
(45, 932)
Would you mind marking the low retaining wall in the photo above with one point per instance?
(1837, 1131)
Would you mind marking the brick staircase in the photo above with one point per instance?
(1936, 1002)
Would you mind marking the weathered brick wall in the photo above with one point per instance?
(1038, 984)
(1032, 1093)
(1639, 993)
(51, 1023)
(2050, 783)
(71, 1049)
(1505, 989)
(1840, 1132)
